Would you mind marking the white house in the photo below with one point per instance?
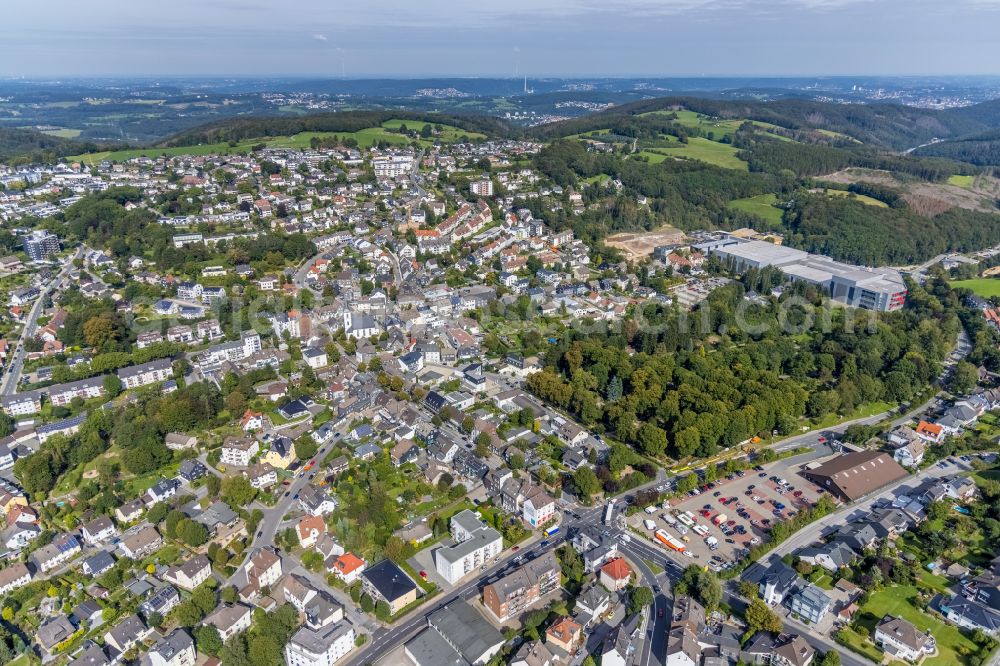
(320, 648)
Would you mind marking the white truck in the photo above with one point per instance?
(712, 543)
(650, 525)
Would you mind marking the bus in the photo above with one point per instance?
(669, 540)
(551, 530)
(685, 519)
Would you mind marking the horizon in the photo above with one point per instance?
(560, 38)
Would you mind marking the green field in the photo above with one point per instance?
(63, 133)
(985, 287)
(901, 601)
(962, 181)
(365, 138)
(762, 205)
(448, 133)
(860, 197)
(697, 148)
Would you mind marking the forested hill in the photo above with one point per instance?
(980, 149)
(32, 146)
(239, 129)
(888, 125)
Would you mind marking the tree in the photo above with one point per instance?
(639, 598)
(586, 483)
(213, 485)
(709, 590)
(157, 513)
(305, 447)
(97, 331)
(483, 445)
(208, 641)
(155, 619)
(831, 658)
(229, 593)
(382, 610)
(760, 617)
(35, 473)
(237, 491)
(112, 385)
(964, 379)
(367, 605)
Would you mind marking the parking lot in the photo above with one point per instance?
(735, 512)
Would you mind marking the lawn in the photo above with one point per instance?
(985, 287)
(63, 133)
(366, 138)
(860, 197)
(762, 205)
(448, 133)
(962, 181)
(864, 411)
(653, 566)
(697, 148)
(859, 644)
(901, 601)
(933, 581)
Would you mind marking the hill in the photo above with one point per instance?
(26, 145)
(887, 125)
(242, 129)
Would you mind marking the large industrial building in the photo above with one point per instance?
(880, 289)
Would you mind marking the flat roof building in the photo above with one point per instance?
(879, 289)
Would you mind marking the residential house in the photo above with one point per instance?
(239, 450)
(616, 574)
(901, 640)
(230, 620)
(191, 574)
(175, 649)
(141, 544)
(475, 545)
(127, 634)
(348, 567)
(98, 530)
(512, 594)
(387, 582)
(310, 529)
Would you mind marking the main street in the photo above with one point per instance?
(385, 640)
(273, 516)
(13, 376)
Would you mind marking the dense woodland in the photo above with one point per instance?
(891, 125)
(858, 233)
(699, 382)
(693, 195)
(981, 149)
(238, 129)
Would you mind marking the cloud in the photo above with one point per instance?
(319, 37)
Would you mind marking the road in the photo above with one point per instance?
(812, 532)
(638, 550)
(13, 376)
(386, 639)
(273, 516)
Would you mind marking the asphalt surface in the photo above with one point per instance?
(274, 516)
(13, 375)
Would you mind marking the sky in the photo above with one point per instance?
(416, 38)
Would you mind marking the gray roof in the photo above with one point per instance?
(317, 642)
(428, 648)
(53, 631)
(135, 370)
(479, 539)
(466, 629)
(178, 641)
